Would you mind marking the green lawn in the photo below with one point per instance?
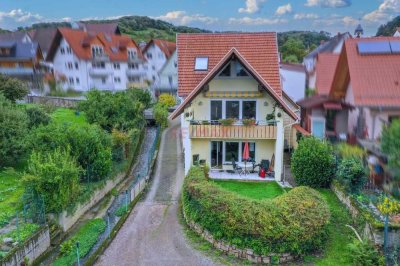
(65, 115)
(336, 252)
(11, 191)
(253, 190)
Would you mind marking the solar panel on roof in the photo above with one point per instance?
(378, 47)
(395, 45)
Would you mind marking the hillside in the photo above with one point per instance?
(389, 28)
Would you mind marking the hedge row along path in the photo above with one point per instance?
(152, 234)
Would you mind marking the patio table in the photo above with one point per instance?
(246, 167)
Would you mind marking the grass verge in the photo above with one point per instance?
(11, 191)
(65, 115)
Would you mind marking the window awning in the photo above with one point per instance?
(233, 94)
(332, 106)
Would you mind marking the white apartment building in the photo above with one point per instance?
(168, 77)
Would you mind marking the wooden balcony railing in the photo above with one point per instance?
(237, 131)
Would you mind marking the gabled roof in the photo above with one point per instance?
(115, 46)
(96, 28)
(325, 69)
(375, 78)
(20, 50)
(167, 47)
(259, 49)
(292, 67)
(329, 46)
(44, 37)
(322, 101)
(13, 36)
(233, 53)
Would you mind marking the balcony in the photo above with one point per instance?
(214, 130)
(16, 71)
(131, 72)
(134, 59)
(101, 57)
(100, 72)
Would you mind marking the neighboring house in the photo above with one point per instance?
(17, 36)
(334, 45)
(293, 77)
(157, 52)
(96, 28)
(397, 33)
(363, 91)
(231, 75)
(21, 59)
(44, 37)
(168, 81)
(84, 61)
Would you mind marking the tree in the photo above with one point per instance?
(13, 130)
(389, 28)
(351, 174)
(13, 89)
(313, 163)
(55, 175)
(140, 95)
(293, 47)
(37, 116)
(111, 111)
(160, 112)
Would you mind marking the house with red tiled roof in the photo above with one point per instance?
(157, 53)
(84, 61)
(233, 103)
(368, 77)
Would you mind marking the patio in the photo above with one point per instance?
(229, 175)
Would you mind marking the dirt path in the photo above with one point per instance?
(152, 234)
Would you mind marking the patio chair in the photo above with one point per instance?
(264, 164)
(236, 168)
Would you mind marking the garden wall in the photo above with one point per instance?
(32, 249)
(374, 233)
(66, 221)
(54, 101)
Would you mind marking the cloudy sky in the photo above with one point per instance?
(246, 15)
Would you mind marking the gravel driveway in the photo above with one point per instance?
(152, 234)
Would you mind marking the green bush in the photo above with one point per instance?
(89, 144)
(313, 163)
(37, 116)
(350, 151)
(120, 211)
(113, 110)
(351, 174)
(167, 99)
(13, 89)
(160, 113)
(87, 237)
(55, 175)
(294, 222)
(391, 147)
(365, 254)
(13, 132)
(140, 95)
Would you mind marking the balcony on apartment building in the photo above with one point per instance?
(100, 57)
(239, 129)
(135, 72)
(17, 71)
(100, 72)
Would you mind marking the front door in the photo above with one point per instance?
(318, 127)
(216, 154)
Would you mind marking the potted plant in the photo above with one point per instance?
(227, 121)
(249, 122)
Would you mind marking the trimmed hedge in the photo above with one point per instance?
(291, 223)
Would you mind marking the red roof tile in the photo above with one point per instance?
(167, 47)
(325, 69)
(259, 50)
(375, 79)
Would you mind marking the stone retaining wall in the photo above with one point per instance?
(232, 250)
(32, 249)
(54, 101)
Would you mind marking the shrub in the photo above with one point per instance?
(351, 174)
(89, 144)
(13, 89)
(140, 95)
(113, 110)
(160, 113)
(37, 116)
(391, 147)
(55, 175)
(120, 145)
(167, 100)
(365, 254)
(313, 163)
(13, 131)
(350, 151)
(294, 222)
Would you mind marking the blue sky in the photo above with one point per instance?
(246, 15)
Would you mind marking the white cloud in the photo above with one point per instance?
(256, 21)
(66, 19)
(282, 10)
(385, 11)
(328, 3)
(252, 6)
(350, 21)
(18, 15)
(182, 18)
(299, 16)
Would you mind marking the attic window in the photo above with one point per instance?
(201, 63)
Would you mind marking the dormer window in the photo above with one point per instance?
(97, 51)
(132, 53)
(201, 63)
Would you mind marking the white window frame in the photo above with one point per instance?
(132, 53)
(198, 65)
(97, 50)
(117, 66)
(233, 100)
(233, 72)
(318, 119)
(240, 150)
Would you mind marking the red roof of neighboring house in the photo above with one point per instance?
(259, 50)
(167, 47)
(115, 46)
(375, 78)
(325, 69)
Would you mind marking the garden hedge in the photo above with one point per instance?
(294, 222)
